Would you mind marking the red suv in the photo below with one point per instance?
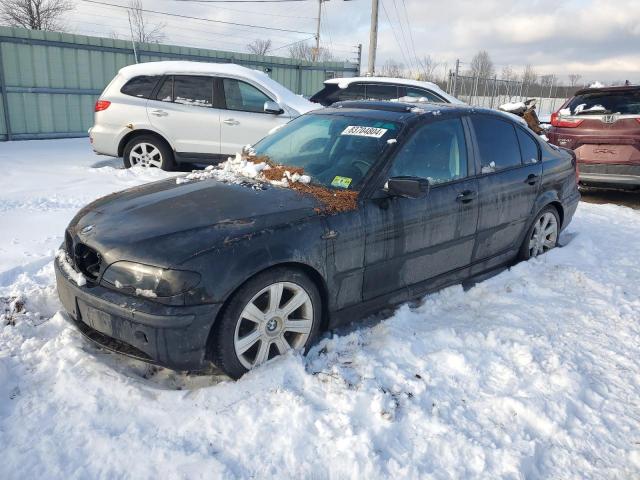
(602, 126)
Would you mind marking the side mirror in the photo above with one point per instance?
(408, 187)
(273, 107)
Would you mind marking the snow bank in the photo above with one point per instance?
(533, 373)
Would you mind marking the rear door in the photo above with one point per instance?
(410, 241)
(510, 174)
(183, 111)
(244, 120)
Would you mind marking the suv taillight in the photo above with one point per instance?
(102, 105)
(558, 121)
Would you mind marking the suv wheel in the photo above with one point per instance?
(542, 235)
(148, 151)
(274, 312)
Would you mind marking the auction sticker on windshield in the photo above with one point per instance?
(364, 131)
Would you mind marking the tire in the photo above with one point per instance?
(148, 151)
(251, 330)
(536, 243)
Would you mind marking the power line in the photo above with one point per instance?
(262, 13)
(239, 1)
(404, 40)
(204, 19)
(395, 35)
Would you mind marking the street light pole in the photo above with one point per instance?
(373, 38)
(316, 52)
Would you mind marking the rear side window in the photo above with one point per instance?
(497, 143)
(243, 97)
(355, 91)
(420, 93)
(192, 90)
(381, 92)
(528, 147)
(140, 86)
(599, 103)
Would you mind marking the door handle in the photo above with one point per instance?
(532, 179)
(231, 121)
(466, 196)
(159, 113)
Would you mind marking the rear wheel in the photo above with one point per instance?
(542, 235)
(274, 312)
(148, 151)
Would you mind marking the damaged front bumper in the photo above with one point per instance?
(171, 336)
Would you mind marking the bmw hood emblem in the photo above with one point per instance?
(87, 229)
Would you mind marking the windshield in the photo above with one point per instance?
(334, 150)
(624, 103)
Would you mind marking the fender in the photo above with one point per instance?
(139, 129)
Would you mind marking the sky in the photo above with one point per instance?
(597, 39)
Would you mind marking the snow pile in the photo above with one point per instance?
(238, 169)
(596, 84)
(533, 373)
(513, 107)
(582, 108)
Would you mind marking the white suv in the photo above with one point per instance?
(162, 113)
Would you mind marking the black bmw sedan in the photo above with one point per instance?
(235, 270)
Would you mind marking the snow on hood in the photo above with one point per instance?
(237, 169)
(283, 95)
(345, 82)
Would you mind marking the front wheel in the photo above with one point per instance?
(274, 312)
(148, 151)
(542, 235)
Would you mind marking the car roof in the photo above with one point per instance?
(282, 93)
(402, 112)
(621, 88)
(345, 82)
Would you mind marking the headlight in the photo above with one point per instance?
(149, 281)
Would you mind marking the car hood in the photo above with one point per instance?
(163, 223)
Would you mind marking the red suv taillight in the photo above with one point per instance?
(102, 105)
(557, 121)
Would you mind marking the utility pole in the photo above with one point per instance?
(133, 41)
(373, 38)
(455, 78)
(316, 52)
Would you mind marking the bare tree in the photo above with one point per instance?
(391, 68)
(508, 74)
(304, 51)
(143, 31)
(259, 46)
(482, 65)
(35, 14)
(547, 80)
(427, 66)
(574, 78)
(529, 75)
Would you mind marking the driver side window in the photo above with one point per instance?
(436, 151)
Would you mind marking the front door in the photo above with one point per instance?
(412, 241)
(508, 184)
(244, 121)
(182, 110)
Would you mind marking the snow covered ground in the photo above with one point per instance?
(534, 373)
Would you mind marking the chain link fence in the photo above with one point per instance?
(493, 92)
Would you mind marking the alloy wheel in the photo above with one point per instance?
(277, 319)
(145, 155)
(544, 235)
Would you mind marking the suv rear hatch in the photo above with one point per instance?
(602, 126)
